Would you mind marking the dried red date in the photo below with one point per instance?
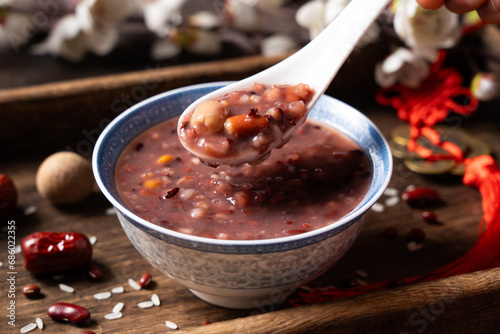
(52, 252)
(68, 312)
(31, 291)
(421, 197)
(8, 195)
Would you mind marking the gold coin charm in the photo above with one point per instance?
(423, 166)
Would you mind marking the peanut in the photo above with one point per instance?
(209, 116)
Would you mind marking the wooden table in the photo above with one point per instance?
(472, 301)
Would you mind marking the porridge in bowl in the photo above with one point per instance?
(317, 178)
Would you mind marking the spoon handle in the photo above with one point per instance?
(319, 61)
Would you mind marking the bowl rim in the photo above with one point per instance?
(339, 225)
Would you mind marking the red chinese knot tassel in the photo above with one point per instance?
(422, 109)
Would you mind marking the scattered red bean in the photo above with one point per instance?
(8, 195)
(421, 197)
(31, 291)
(390, 232)
(52, 252)
(68, 312)
(145, 280)
(416, 234)
(95, 273)
(208, 322)
(430, 217)
(88, 332)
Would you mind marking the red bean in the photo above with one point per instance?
(52, 252)
(416, 234)
(95, 273)
(421, 197)
(8, 195)
(88, 332)
(430, 217)
(68, 312)
(145, 280)
(31, 291)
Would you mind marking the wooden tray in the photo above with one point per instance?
(56, 114)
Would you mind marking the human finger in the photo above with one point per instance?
(463, 6)
(489, 12)
(430, 4)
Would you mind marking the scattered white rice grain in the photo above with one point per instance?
(377, 207)
(413, 246)
(391, 192)
(28, 328)
(30, 210)
(171, 325)
(110, 211)
(39, 323)
(1, 264)
(93, 240)
(195, 161)
(118, 307)
(361, 282)
(18, 249)
(410, 187)
(155, 299)
(102, 295)
(66, 288)
(146, 304)
(118, 289)
(392, 201)
(134, 285)
(113, 316)
(361, 273)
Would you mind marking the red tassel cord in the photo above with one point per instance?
(423, 108)
(482, 173)
(428, 105)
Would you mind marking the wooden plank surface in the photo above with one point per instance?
(471, 300)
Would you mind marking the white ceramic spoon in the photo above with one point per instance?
(316, 65)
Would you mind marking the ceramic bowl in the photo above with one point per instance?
(239, 273)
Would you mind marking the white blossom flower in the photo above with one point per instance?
(243, 16)
(277, 45)
(317, 14)
(426, 31)
(402, 66)
(204, 19)
(161, 15)
(93, 27)
(269, 5)
(66, 40)
(165, 48)
(14, 29)
(199, 37)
